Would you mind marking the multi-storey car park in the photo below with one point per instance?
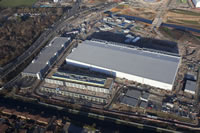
(146, 67)
(82, 81)
(41, 64)
(78, 85)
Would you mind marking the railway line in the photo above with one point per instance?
(50, 33)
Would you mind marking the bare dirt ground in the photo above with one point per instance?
(181, 36)
(129, 10)
(183, 17)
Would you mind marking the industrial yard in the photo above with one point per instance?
(82, 80)
(113, 63)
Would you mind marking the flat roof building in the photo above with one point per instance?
(96, 88)
(151, 68)
(78, 78)
(133, 94)
(129, 101)
(46, 57)
(190, 86)
(81, 81)
(143, 104)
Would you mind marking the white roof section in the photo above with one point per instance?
(196, 3)
(190, 86)
(146, 64)
(46, 54)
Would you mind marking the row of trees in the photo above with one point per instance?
(17, 34)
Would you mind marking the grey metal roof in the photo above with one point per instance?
(45, 55)
(129, 101)
(59, 41)
(190, 76)
(34, 68)
(143, 104)
(190, 85)
(155, 66)
(145, 95)
(133, 93)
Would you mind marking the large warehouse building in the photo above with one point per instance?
(46, 58)
(154, 69)
(196, 3)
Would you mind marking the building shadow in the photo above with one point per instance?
(143, 42)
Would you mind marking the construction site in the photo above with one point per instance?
(87, 81)
(119, 64)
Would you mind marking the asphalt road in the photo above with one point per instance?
(44, 37)
(50, 33)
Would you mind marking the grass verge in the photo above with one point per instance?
(16, 3)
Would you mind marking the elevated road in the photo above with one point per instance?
(48, 34)
(44, 37)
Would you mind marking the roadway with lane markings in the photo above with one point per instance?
(50, 33)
